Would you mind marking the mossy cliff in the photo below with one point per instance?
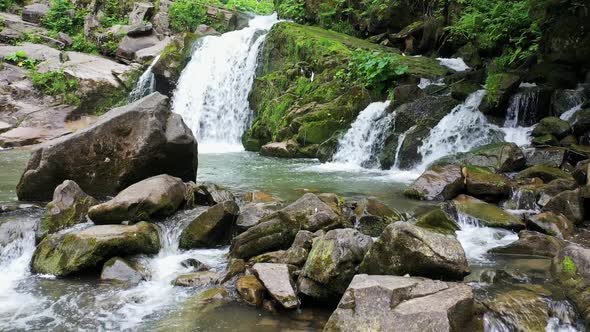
(302, 91)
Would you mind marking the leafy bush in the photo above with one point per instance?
(186, 15)
(20, 59)
(112, 14)
(57, 83)
(499, 27)
(63, 17)
(7, 5)
(81, 44)
(262, 7)
(373, 69)
(293, 9)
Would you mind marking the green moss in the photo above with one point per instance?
(568, 265)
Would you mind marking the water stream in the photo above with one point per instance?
(146, 83)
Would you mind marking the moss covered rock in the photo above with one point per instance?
(487, 214)
(552, 223)
(404, 248)
(553, 126)
(532, 243)
(545, 140)
(569, 203)
(502, 157)
(437, 220)
(545, 173)
(172, 61)
(251, 290)
(499, 89)
(213, 227)
(437, 183)
(120, 269)
(68, 207)
(196, 279)
(86, 250)
(296, 255)
(373, 216)
(483, 183)
(571, 268)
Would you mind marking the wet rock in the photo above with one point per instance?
(581, 123)
(251, 214)
(391, 303)
(277, 280)
(482, 183)
(129, 46)
(196, 279)
(35, 13)
(569, 203)
(158, 196)
(88, 249)
(437, 220)
(554, 224)
(68, 207)
(333, 262)
(141, 11)
(120, 269)
(296, 255)
(211, 228)
(545, 140)
(260, 197)
(552, 126)
(373, 216)
(532, 243)
(502, 157)
(211, 194)
(251, 290)
(437, 183)
(286, 149)
(487, 214)
(127, 145)
(194, 264)
(552, 157)
(234, 267)
(314, 212)
(545, 173)
(571, 268)
(582, 172)
(407, 249)
(500, 87)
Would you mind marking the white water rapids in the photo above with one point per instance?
(212, 91)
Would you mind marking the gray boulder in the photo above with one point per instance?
(211, 228)
(126, 145)
(68, 207)
(551, 223)
(158, 196)
(251, 214)
(390, 303)
(571, 268)
(196, 279)
(35, 13)
(404, 248)
(437, 183)
(373, 216)
(569, 203)
(130, 45)
(211, 194)
(296, 255)
(333, 262)
(277, 280)
(120, 269)
(532, 243)
(140, 12)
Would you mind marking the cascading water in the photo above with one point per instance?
(358, 145)
(477, 240)
(212, 92)
(461, 130)
(573, 101)
(146, 83)
(456, 64)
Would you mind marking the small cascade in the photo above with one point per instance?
(477, 240)
(456, 64)
(358, 146)
(522, 108)
(522, 201)
(461, 130)
(146, 83)
(400, 142)
(212, 91)
(570, 102)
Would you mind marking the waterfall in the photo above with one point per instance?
(400, 142)
(477, 240)
(212, 91)
(146, 83)
(461, 130)
(357, 147)
(573, 101)
(522, 108)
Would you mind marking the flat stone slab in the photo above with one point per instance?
(277, 280)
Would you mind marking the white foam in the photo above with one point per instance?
(456, 64)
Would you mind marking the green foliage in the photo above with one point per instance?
(499, 27)
(81, 44)
(20, 59)
(63, 17)
(186, 15)
(568, 265)
(113, 14)
(262, 7)
(373, 69)
(293, 9)
(57, 83)
(7, 5)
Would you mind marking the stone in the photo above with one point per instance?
(119, 269)
(234, 267)
(126, 145)
(484, 184)
(487, 214)
(141, 11)
(211, 228)
(314, 212)
(333, 262)
(148, 54)
(392, 303)
(65, 39)
(251, 290)
(296, 255)
(500, 87)
(286, 149)
(533, 244)
(251, 214)
(129, 46)
(68, 207)
(569, 203)
(193, 264)
(437, 220)
(277, 280)
(501, 157)
(545, 173)
(437, 183)
(86, 250)
(404, 248)
(155, 197)
(581, 122)
(552, 157)
(196, 279)
(545, 141)
(552, 126)
(23, 136)
(373, 216)
(140, 30)
(211, 194)
(571, 269)
(35, 13)
(554, 224)
(259, 197)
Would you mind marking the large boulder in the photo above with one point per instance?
(68, 207)
(569, 203)
(120, 269)
(437, 183)
(129, 46)
(86, 250)
(502, 157)
(126, 145)
(332, 263)
(571, 268)
(296, 255)
(404, 248)
(251, 214)
(392, 303)
(251, 290)
(532, 243)
(552, 126)
(552, 156)
(158, 196)
(483, 183)
(211, 228)
(545, 173)
(373, 216)
(315, 212)
(277, 280)
(211, 194)
(437, 220)
(555, 224)
(35, 13)
(486, 214)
